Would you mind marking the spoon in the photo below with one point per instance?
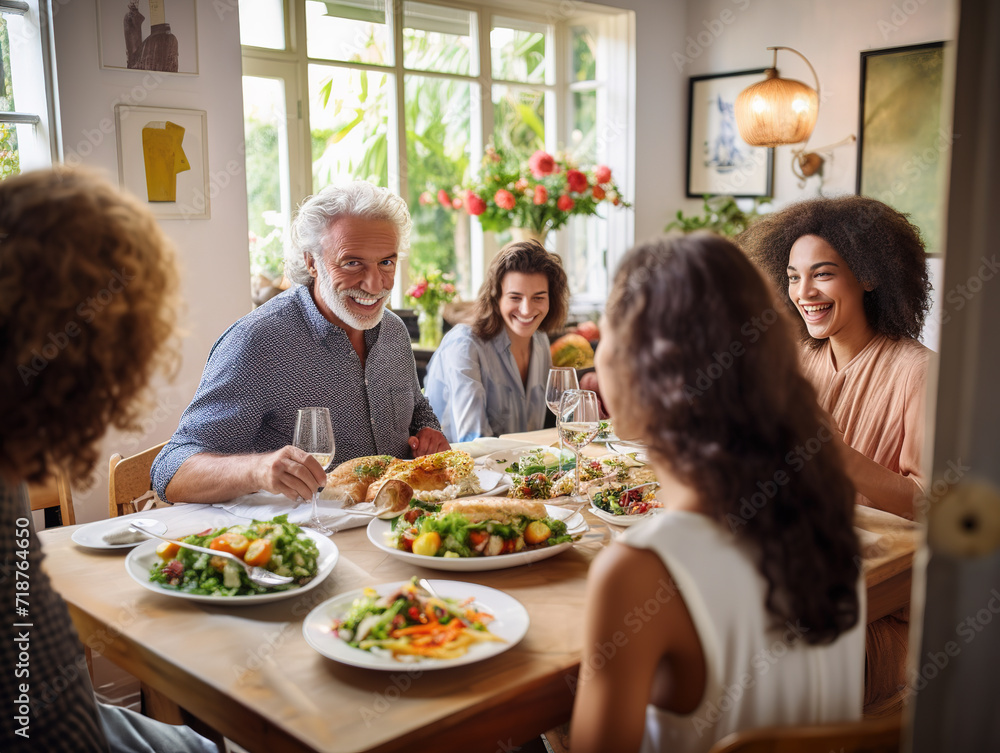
(259, 575)
(392, 499)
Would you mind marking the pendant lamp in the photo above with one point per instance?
(779, 111)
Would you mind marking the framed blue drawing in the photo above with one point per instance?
(719, 162)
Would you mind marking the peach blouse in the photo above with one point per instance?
(877, 399)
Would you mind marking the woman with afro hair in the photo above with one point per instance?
(854, 270)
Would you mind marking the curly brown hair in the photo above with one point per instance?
(527, 257)
(715, 390)
(88, 304)
(880, 245)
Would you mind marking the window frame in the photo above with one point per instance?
(36, 72)
(294, 63)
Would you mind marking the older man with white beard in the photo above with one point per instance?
(328, 341)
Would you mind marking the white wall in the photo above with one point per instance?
(831, 35)
(661, 113)
(213, 253)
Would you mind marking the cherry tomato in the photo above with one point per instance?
(476, 538)
(167, 551)
(234, 543)
(259, 552)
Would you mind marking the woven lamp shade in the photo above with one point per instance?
(776, 111)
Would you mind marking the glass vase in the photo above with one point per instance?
(529, 234)
(430, 328)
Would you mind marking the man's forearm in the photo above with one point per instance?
(209, 478)
(885, 489)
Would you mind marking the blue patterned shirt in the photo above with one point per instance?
(284, 356)
(475, 387)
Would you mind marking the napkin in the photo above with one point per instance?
(264, 506)
(488, 445)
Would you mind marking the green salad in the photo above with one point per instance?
(474, 532)
(276, 544)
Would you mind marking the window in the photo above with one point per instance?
(25, 90)
(408, 94)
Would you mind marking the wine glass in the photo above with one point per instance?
(579, 422)
(561, 378)
(314, 434)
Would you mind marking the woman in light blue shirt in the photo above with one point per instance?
(488, 378)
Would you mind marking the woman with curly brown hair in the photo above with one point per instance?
(489, 378)
(87, 312)
(855, 272)
(739, 605)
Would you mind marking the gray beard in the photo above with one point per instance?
(337, 302)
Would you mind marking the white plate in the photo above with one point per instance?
(92, 534)
(624, 447)
(494, 483)
(623, 520)
(140, 561)
(510, 623)
(576, 525)
(498, 461)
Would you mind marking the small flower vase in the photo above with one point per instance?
(430, 328)
(529, 234)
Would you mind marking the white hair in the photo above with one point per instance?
(317, 213)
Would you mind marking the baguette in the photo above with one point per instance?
(499, 509)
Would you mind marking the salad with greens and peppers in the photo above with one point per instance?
(413, 624)
(619, 499)
(277, 545)
(476, 527)
(539, 474)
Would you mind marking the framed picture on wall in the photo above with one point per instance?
(719, 162)
(163, 159)
(148, 35)
(902, 143)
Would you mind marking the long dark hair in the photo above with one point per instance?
(527, 257)
(715, 388)
(880, 245)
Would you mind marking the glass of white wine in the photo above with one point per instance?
(561, 378)
(579, 422)
(314, 434)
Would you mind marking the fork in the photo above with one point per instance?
(259, 575)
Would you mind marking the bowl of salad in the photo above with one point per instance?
(278, 545)
(394, 625)
(624, 505)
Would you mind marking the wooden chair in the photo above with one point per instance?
(867, 736)
(55, 492)
(129, 485)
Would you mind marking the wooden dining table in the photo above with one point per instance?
(248, 672)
